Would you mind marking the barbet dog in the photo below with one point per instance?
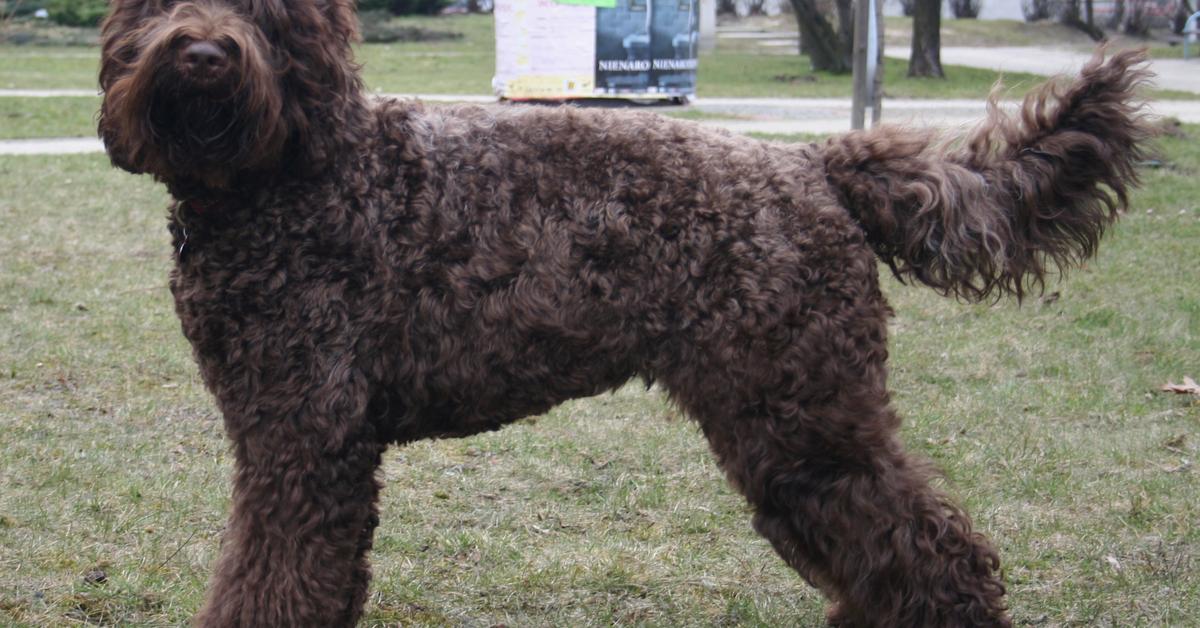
(355, 273)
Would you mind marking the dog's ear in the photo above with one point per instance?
(323, 101)
(118, 35)
(344, 19)
(278, 17)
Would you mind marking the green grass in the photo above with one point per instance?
(466, 65)
(49, 67)
(992, 33)
(759, 75)
(48, 117)
(789, 138)
(701, 115)
(898, 32)
(1046, 419)
(956, 32)
(461, 66)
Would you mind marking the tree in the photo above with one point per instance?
(926, 59)
(966, 9)
(1070, 16)
(829, 50)
(1136, 20)
(1118, 14)
(1183, 11)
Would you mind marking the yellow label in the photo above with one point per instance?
(550, 86)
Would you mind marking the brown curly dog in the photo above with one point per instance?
(353, 274)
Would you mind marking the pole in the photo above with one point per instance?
(862, 17)
(877, 76)
(708, 25)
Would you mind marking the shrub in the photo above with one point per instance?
(77, 12)
(404, 7)
(378, 27)
(1035, 10)
(15, 8)
(965, 9)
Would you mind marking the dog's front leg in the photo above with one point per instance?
(303, 516)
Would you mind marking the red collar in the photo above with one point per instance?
(200, 207)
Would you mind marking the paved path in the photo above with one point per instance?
(745, 115)
(784, 115)
(1175, 74)
(51, 146)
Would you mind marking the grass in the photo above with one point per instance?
(758, 75)
(898, 32)
(465, 66)
(49, 67)
(789, 138)
(48, 117)
(701, 115)
(956, 32)
(461, 66)
(1046, 419)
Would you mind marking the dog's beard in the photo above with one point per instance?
(198, 131)
(157, 120)
(177, 131)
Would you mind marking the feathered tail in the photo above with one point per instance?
(1022, 195)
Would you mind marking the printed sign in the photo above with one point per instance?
(556, 49)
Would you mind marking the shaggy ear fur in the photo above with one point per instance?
(344, 19)
(120, 36)
(325, 106)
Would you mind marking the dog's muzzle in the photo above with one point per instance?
(204, 65)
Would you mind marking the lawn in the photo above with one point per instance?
(49, 67)
(71, 116)
(465, 66)
(1046, 418)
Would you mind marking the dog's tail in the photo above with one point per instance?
(1022, 195)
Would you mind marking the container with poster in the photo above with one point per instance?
(561, 49)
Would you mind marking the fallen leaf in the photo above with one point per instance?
(1182, 466)
(1188, 387)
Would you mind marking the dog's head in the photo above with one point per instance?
(205, 91)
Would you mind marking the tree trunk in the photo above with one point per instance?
(1183, 11)
(926, 59)
(1118, 14)
(1070, 16)
(845, 18)
(818, 39)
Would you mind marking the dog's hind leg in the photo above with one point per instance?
(806, 434)
(842, 503)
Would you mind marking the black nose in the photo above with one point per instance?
(205, 59)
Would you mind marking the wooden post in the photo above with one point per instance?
(858, 106)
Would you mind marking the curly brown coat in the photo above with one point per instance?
(354, 275)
